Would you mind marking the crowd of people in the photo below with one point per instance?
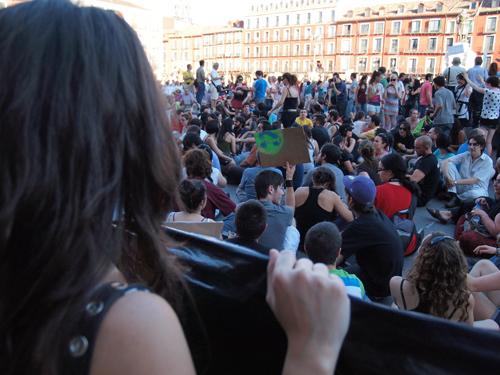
(378, 148)
(96, 159)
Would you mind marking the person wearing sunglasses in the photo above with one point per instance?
(467, 175)
(437, 282)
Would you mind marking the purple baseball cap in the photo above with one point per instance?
(361, 188)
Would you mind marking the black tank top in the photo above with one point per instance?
(290, 103)
(80, 345)
(310, 213)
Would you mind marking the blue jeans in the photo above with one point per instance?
(200, 92)
(361, 108)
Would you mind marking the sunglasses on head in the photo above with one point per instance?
(438, 239)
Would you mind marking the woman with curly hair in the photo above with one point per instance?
(437, 282)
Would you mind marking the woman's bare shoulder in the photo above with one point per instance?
(141, 334)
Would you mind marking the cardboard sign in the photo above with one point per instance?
(276, 147)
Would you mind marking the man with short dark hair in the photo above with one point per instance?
(372, 239)
(329, 156)
(444, 106)
(468, 175)
(426, 172)
(200, 82)
(250, 220)
(323, 245)
(269, 190)
(259, 88)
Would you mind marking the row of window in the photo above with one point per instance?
(289, 19)
(433, 44)
(287, 4)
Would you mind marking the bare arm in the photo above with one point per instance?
(141, 335)
(472, 84)
(341, 208)
(290, 196)
(417, 176)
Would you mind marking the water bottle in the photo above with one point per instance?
(476, 218)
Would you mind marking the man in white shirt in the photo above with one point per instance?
(476, 170)
(450, 74)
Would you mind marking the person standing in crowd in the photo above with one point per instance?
(490, 108)
(426, 171)
(289, 101)
(391, 103)
(463, 92)
(444, 106)
(215, 85)
(374, 94)
(200, 82)
(340, 89)
(351, 96)
(188, 78)
(372, 239)
(383, 78)
(259, 88)
(360, 95)
(450, 74)
(477, 75)
(493, 70)
(425, 99)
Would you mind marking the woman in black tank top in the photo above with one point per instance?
(289, 102)
(318, 203)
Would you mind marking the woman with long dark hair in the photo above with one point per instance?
(360, 95)
(319, 202)
(89, 171)
(437, 283)
(396, 191)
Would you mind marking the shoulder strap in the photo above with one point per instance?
(80, 345)
(402, 294)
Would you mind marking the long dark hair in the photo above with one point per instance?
(83, 143)
(226, 127)
(396, 164)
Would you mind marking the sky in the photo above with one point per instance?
(218, 12)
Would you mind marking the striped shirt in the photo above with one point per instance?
(353, 285)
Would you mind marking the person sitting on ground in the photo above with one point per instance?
(484, 282)
(250, 221)
(414, 119)
(369, 165)
(426, 170)
(319, 132)
(370, 130)
(437, 282)
(246, 189)
(322, 244)
(442, 148)
(396, 192)
(382, 145)
(269, 190)
(345, 140)
(359, 123)
(303, 120)
(487, 215)
(472, 178)
(403, 139)
(318, 202)
(372, 239)
(198, 166)
(193, 196)
(312, 148)
(329, 157)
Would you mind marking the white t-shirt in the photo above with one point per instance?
(214, 76)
